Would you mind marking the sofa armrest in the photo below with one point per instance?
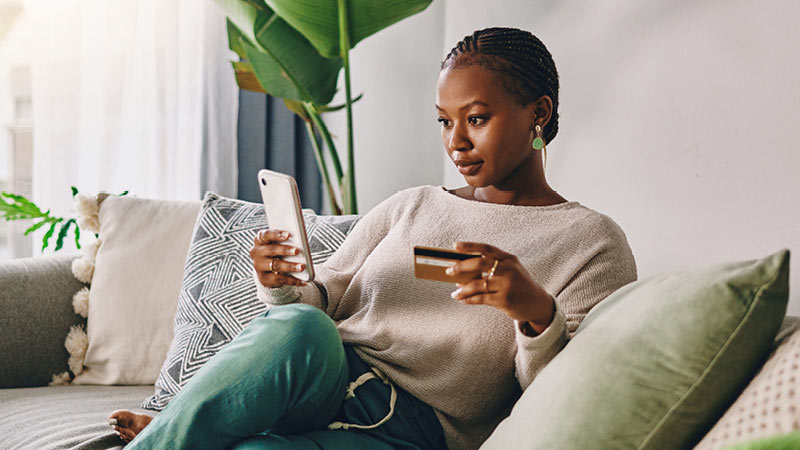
(36, 304)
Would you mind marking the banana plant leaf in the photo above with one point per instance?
(326, 108)
(242, 14)
(318, 20)
(297, 108)
(285, 64)
(246, 77)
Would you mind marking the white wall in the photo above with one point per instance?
(679, 121)
(397, 143)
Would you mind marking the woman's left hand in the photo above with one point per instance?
(509, 288)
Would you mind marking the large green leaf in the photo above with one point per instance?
(314, 75)
(246, 77)
(242, 14)
(284, 62)
(318, 20)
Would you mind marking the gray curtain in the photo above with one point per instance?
(272, 137)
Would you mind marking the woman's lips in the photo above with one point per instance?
(469, 169)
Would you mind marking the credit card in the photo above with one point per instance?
(430, 263)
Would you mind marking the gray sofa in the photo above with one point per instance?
(36, 304)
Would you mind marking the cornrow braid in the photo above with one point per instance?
(520, 60)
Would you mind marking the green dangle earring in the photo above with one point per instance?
(538, 143)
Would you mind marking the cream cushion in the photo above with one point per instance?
(135, 287)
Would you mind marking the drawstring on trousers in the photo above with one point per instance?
(351, 393)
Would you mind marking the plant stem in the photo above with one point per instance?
(323, 167)
(326, 135)
(350, 204)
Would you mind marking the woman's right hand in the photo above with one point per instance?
(266, 254)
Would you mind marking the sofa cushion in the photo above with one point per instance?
(218, 295)
(64, 417)
(134, 288)
(36, 304)
(656, 363)
(769, 405)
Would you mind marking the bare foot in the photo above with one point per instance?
(128, 424)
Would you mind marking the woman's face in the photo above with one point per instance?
(486, 133)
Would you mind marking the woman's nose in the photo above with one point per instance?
(458, 139)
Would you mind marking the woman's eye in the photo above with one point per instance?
(443, 121)
(476, 120)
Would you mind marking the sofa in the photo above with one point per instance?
(36, 299)
(41, 409)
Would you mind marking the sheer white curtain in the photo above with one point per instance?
(132, 95)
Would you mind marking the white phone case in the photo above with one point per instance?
(282, 205)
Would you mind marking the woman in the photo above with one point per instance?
(405, 362)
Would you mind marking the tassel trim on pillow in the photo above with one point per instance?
(88, 209)
(80, 302)
(83, 270)
(76, 344)
(60, 379)
(77, 341)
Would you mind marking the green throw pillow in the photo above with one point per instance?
(656, 363)
(789, 441)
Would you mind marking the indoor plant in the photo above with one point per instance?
(18, 207)
(294, 49)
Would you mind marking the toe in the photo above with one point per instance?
(126, 435)
(121, 417)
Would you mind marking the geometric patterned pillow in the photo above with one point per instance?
(218, 294)
(768, 406)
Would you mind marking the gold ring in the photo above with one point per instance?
(486, 284)
(271, 262)
(494, 267)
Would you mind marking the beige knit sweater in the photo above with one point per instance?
(469, 362)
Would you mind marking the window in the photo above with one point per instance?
(123, 95)
(17, 156)
(16, 132)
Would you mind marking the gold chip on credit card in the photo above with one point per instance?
(430, 263)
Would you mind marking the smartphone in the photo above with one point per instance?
(430, 263)
(282, 205)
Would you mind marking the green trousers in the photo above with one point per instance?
(279, 384)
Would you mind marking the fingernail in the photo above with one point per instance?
(295, 251)
(284, 234)
(455, 294)
(450, 270)
(298, 266)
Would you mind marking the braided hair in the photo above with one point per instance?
(520, 61)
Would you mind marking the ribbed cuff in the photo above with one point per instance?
(533, 353)
(553, 334)
(276, 296)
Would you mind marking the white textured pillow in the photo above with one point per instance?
(768, 406)
(134, 288)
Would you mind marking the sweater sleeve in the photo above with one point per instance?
(533, 353)
(334, 276)
(605, 266)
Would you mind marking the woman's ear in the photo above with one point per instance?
(542, 111)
